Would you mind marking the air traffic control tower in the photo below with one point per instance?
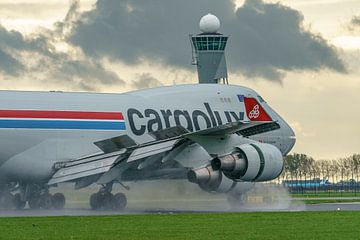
(208, 51)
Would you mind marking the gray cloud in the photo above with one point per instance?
(266, 39)
(11, 42)
(270, 38)
(82, 74)
(54, 66)
(9, 65)
(146, 80)
(62, 27)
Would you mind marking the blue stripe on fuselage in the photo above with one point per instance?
(60, 124)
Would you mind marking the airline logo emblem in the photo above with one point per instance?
(254, 111)
(76, 120)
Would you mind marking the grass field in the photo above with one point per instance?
(268, 225)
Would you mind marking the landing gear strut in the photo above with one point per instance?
(104, 199)
(38, 197)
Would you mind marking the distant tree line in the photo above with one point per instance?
(302, 167)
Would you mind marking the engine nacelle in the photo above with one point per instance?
(251, 162)
(216, 181)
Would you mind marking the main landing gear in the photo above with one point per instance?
(46, 201)
(39, 197)
(36, 196)
(105, 200)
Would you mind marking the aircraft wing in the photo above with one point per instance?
(124, 151)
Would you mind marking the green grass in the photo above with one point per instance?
(269, 225)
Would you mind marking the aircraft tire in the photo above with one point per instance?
(46, 201)
(108, 200)
(58, 201)
(18, 202)
(95, 201)
(120, 201)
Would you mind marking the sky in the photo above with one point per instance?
(302, 56)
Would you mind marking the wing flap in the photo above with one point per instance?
(83, 167)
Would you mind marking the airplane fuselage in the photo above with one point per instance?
(38, 129)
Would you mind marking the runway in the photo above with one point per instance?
(350, 206)
(353, 206)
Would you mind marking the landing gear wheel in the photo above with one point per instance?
(120, 201)
(95, 201)
(58, 201)
(108, 200)
(18, 202)
(46, 201)
(6, 200)
(34, 202)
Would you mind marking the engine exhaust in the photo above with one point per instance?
(230, 163)
(200, 175)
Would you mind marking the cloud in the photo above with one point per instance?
(132, 30)
(9, 65)
(266, 39)
(146, 80)
(11, 42)
(84, 75)
(270, 38)
(36, 55)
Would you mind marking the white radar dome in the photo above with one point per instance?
(209, 23)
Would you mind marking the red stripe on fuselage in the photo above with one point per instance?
(61, 114)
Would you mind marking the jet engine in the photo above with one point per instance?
(215, 181)
(251, 162)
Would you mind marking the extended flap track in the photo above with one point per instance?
(83, 167)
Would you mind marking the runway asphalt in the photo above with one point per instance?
(353, 206)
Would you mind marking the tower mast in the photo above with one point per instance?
(208, 49)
